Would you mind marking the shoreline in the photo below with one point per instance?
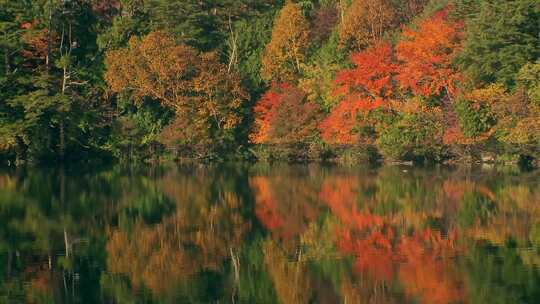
(300, 154)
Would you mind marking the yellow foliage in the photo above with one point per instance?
(414, 106)
(6, 142)
(290, 281)
(518, 117)
(284, 54)
(365, 22)
(319, 84)
(491, 95)
(526, 130)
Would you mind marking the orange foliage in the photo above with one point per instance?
(338, 126)
(176, 75)
(423, 66)
(364, 88)
(372, 76)
(426, 273)
(264, 114)
(154, 66)
(362, 231)
(426, 54)
(383, 253)
(340, 196)
(267, 206)
(284, 205)
(36, 41)
(197, 86)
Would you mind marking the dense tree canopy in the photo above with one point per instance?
(502, 36)
(427, 55)
(366, 22)
(285, 52)
(283, 115)
(196, 86)
(212, 79)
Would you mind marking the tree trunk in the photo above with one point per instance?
(49, 25)
(66, 243)
(236, 265)
(233, 56)
(342, 10)
(62, 144)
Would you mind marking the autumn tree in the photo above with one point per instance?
(426, 55)
(196, 86)
(510, 117)
(365, 22)
(362, 88)
(283, 115)
(372, 75)
(421, 64)
(285, 53)
(514, 119)
(528, 79)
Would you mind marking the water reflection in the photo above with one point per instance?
(269, 234)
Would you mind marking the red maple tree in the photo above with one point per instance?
(362, 88)
(283, 115)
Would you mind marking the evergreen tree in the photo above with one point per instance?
(502, 36)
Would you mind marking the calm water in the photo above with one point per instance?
(269, 234)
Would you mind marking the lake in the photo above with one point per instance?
(269, 234)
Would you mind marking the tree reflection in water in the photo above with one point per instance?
(267, 234)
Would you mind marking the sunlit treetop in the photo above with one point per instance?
(426, 55)
(366, 21)
(285, 53)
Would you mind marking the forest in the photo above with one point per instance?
(437, 81)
